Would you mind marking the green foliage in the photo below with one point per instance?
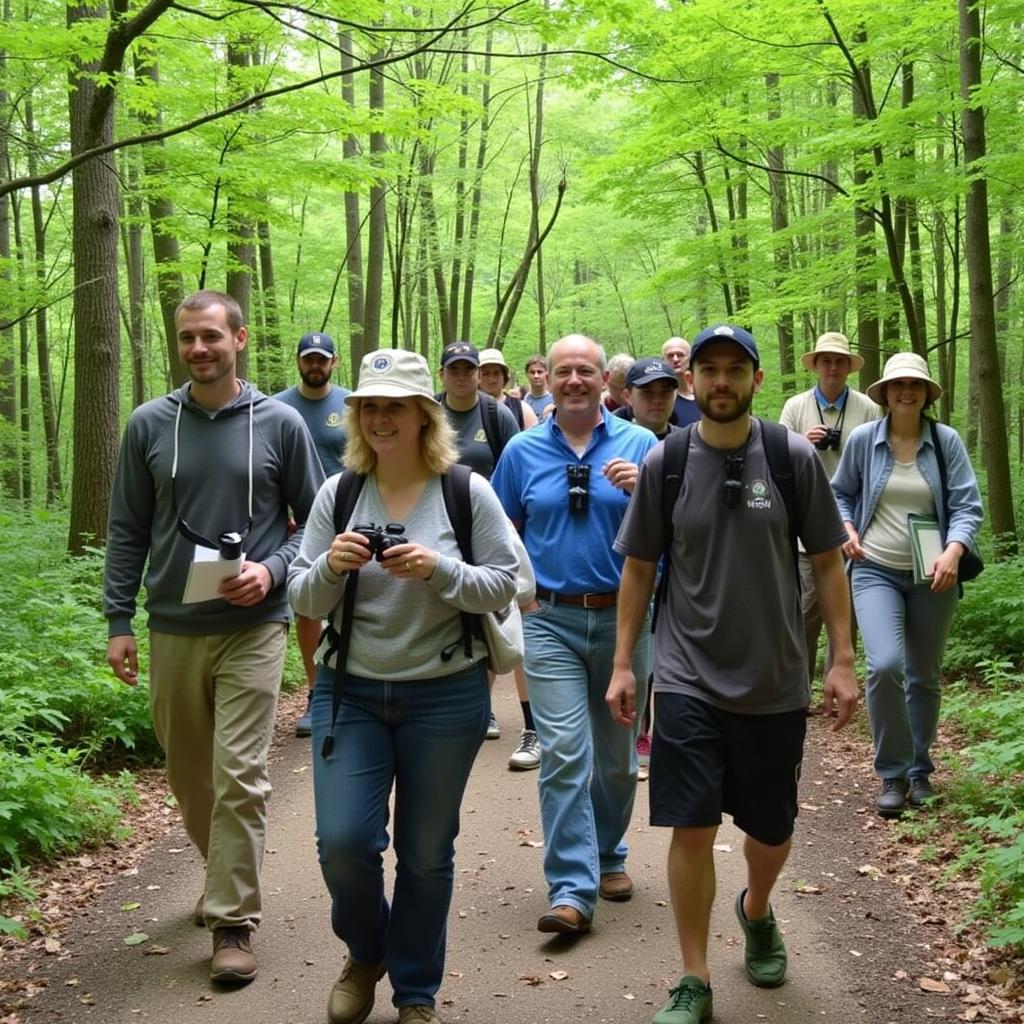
(989, 623)
(989, 795)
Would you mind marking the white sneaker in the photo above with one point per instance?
(493, 730)
(527, 754)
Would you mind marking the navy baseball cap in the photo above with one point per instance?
(316, 345)
(726, 332)
(460, 351)
(649, 369)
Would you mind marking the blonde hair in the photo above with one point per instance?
(438, 448)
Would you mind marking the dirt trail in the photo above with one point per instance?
(856, 948)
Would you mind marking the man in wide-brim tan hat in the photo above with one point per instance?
(904, 366)
(825, 415)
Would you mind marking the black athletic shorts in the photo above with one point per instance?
(705, 761)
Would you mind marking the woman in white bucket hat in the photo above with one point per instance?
(888, 473)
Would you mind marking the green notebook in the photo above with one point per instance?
(925, 545)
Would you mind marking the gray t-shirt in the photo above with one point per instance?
(730, 630)
(474, 451)
(323, 420)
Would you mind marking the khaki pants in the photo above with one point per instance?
(213, 700)
(813, 620)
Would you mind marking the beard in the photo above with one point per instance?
(739, 408)
(314, 378)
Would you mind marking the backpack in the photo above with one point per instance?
(775, 439)
(455, 491)
(489, 418)
(515, 406)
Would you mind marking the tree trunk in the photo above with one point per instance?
(353, 223)
(97, 338)
(780, 246)
(131, 231)
(271, 356)
(10, 475)
(378, 223)
(984, 351)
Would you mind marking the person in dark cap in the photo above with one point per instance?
(730, 669)
(321, 404)
(650, 394)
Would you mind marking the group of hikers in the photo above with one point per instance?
(605, 496)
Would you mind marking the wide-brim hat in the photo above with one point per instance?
(393, 373)
(899, 366)
(494, 357)
(836, 343)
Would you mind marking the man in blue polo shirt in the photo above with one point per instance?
(566, 484)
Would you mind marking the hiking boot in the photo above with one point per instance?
(564, 920)
(233, 960)
(418, 1014)
(891, 801)
(765, 954)
(354, 992)
(688, 1003)
(304, 723)
(493, 729)
(527, 755)
(921, 793)
(616, 886)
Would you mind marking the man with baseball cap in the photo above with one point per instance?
(321, 404)
(729, 665)
(650, 394)
(825, 414)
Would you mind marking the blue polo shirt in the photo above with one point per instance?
(571, 553)
(823, 403)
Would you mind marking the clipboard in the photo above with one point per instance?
(925, 545)
(206, 573)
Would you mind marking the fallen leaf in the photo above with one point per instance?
(134, 905)
(723, 847)
(932, 985)
(51, 945)
(157, 951)
(135, 939)
(558, 975)
(806, 889)
(530, 979)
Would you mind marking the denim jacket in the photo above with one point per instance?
(867, 462)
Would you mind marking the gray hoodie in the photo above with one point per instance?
(211, 494)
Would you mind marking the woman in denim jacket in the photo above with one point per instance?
(888, 471)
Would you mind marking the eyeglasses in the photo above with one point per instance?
(732, 485)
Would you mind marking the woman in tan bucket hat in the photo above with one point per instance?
(889, 474)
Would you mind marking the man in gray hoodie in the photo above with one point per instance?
(214, 464)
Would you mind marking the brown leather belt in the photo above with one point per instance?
(593, 601)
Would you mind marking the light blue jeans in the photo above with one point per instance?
(588, 763)
(420, 737)
(904, 627)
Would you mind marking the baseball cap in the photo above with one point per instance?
(393, 373)
(647, 370)
(316, 345)
(460, 351)
(726, 332)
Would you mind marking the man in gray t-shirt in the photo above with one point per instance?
(729, 664)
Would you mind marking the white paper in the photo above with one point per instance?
(206, 573)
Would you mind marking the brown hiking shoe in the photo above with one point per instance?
(418, 1014)
(233, 960)
(354, 992)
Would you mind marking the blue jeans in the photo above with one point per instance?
(904, 626)
(420, 737)
(588, 763)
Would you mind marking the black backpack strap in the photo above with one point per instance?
(350, 484)
(775, 438)
(457, 503)
(515, 406)
(673, 469)
(940, 457)
(492, 427)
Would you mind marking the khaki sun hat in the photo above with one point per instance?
(493, 357)
(838, 344)
(393, 373)
(899, 366)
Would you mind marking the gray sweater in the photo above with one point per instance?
(211, 494)
(400, 626)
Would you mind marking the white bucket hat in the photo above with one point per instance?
(494, 357)
(899, 366)
(838, 344)
(393, 373)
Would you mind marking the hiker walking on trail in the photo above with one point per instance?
(215, 465)
(895, 471)
(725, 500)
(408, 705)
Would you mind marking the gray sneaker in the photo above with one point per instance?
(527, 755)
(304, 723)
(688, 1003)
(493, 729)
(354, 992)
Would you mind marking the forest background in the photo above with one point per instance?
(502, 173)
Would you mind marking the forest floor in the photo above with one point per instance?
(877, 931)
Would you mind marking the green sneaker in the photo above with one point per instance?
(765, 953)
(688, 1003)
